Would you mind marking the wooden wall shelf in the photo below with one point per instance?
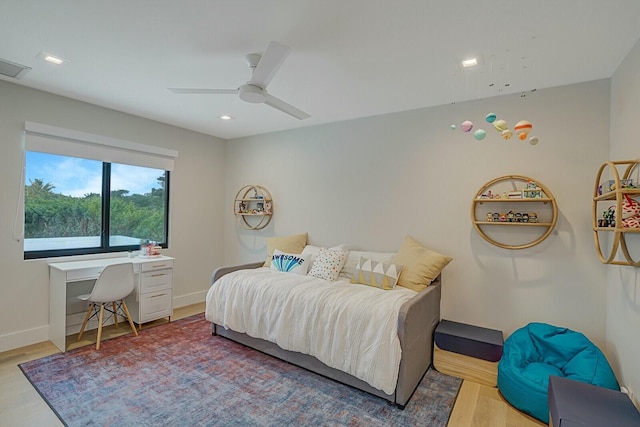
(253, 205)
(612, 169)
(506, 184)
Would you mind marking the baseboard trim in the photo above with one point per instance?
(24, 338)
(185, 300)
(40, 334)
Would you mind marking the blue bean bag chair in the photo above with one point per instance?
(533, 353)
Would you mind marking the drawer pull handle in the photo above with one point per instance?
(156, 296)
(159, 266)
(159, 275)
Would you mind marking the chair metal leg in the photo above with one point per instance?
(126, 310)
(100, 326)
(86, 319)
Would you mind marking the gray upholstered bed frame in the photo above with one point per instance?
(417, 321)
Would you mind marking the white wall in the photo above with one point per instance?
(196, 204)
(623, 283)
(369, 182)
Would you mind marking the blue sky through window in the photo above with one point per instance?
(77, 177)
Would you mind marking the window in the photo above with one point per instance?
(65, 212)
(78, 200)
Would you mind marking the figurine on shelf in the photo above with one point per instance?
(496, 217)
(627, 183)
(511, 217)
(533, 217)
(267, 207)
(525, 217)
(503, 217)
(242, 207)
(489, 217)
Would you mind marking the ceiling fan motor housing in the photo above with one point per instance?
(252, 93)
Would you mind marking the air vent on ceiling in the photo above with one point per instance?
(11, 69)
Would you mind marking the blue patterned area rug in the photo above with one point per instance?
(178, 374)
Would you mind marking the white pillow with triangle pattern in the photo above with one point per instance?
(377, 274)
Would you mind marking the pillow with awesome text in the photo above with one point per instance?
(328, 264)
(290, 244)
(289, 263)
(377, 274)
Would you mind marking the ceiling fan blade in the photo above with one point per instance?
(270, 62)
(284, 107)
(183, 90)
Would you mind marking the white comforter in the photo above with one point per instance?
(353, 328)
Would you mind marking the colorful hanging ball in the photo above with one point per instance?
(491, 117)
(500, 125)
(479, 134)
(506, 134)
(453, 127)
(533, 140)
(466, 126)
(522, 129)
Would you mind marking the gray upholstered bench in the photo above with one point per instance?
(573, 403)
(468, 352)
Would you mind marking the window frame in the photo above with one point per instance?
(106, 224)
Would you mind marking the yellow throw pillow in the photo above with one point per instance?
(289, 244)
(420, 266)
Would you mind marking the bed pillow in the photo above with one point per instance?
(328, 263)
(348, 270)
(290, 244)
(377, 274)
(289, 263)
(420, 265)
(312, 252)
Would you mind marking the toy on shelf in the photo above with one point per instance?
(532, 191)
(512, 216)
(610, 185)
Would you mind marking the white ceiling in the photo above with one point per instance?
(349, 59)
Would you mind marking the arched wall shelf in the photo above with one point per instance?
(609, 191)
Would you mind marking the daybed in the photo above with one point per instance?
(344, 331)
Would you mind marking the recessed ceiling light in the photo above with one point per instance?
(470, 62)
(226, 117)
(53, 59)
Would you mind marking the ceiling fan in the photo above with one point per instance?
(255, 90)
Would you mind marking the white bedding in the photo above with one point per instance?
(349, 327)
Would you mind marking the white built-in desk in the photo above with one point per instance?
(152, 298)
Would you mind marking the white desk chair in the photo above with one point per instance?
(113, 285)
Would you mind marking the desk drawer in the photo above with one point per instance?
(155, 305)
(156, 280)
(157, 265)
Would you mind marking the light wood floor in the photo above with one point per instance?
(21, 405)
